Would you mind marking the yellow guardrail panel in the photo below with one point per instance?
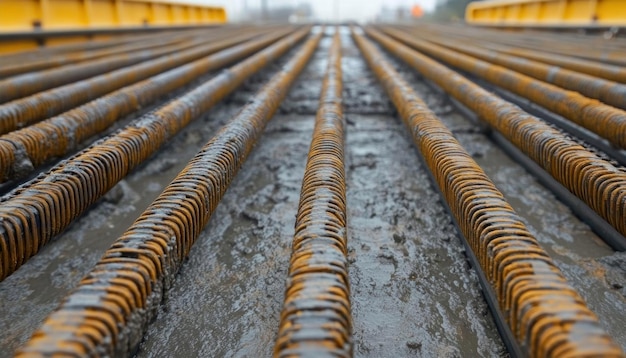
(554, 13)
(19, 14)
(26, 15)
(107, 14)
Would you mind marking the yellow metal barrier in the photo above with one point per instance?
(28, 24)
(25, 15)
(547, 13)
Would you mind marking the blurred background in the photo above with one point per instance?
(340, 10)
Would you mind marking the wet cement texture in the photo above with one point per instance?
(32, 292)
(590, 266)
(413, 291)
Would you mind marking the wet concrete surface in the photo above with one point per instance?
(596, 271)
(590, 265)
(227, 299)
(32, 292)
(406, 259)
(412, 290)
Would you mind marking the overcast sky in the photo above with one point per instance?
(360, 10)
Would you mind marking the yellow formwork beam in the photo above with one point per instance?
(547, 13)
(27, 15)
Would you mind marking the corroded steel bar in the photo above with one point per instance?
(593, 140)
(112, 306)
(546, 315)
(606, 121)
(59, 50)
(316, 319)
(502, 43)
(23, 150)
(546, 42)
(607, 71)
(26, 84)
(33, 214)
(75, 48)
(26, 111)
(20, 67)
(15, 67)
(608, 56)
(598, 183)
(609, 92)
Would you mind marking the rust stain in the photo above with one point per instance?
(607, 121)
(33, 214)
(595, 181)
(316, 319)
(24, 111)
(112, 306)
(546, 315)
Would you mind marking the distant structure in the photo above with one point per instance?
(417, 11)
(399, 14)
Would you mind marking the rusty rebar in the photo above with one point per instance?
(606, 121)
(29, 83)
(8, 69)
(609, 92)
(28, 110)
(72, 48)
(23, 150)
(316, 319)
(594, 68)
(597, 182)
(113, 304)
(546, 315)
(548, 42)
(34, 213)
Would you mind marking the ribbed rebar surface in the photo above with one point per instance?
(113, 304)
(595, 181)
(34, 214)
(77, 120)
(316, 320)
(546, 315)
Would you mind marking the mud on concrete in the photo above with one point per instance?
(31, 293)
(412, 290)
(596, 271)
(228, 296)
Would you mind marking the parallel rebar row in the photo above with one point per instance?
(546, 315)
(597, 69)
(27, 148)
(33, 214)
(316, 319)
(29, 83)
(28, 110)
(598, 183)
(603, 55)
(595, 49)
(86, 46)
(23, 66)
(110, 309)
(609, 92)
(608, 122)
